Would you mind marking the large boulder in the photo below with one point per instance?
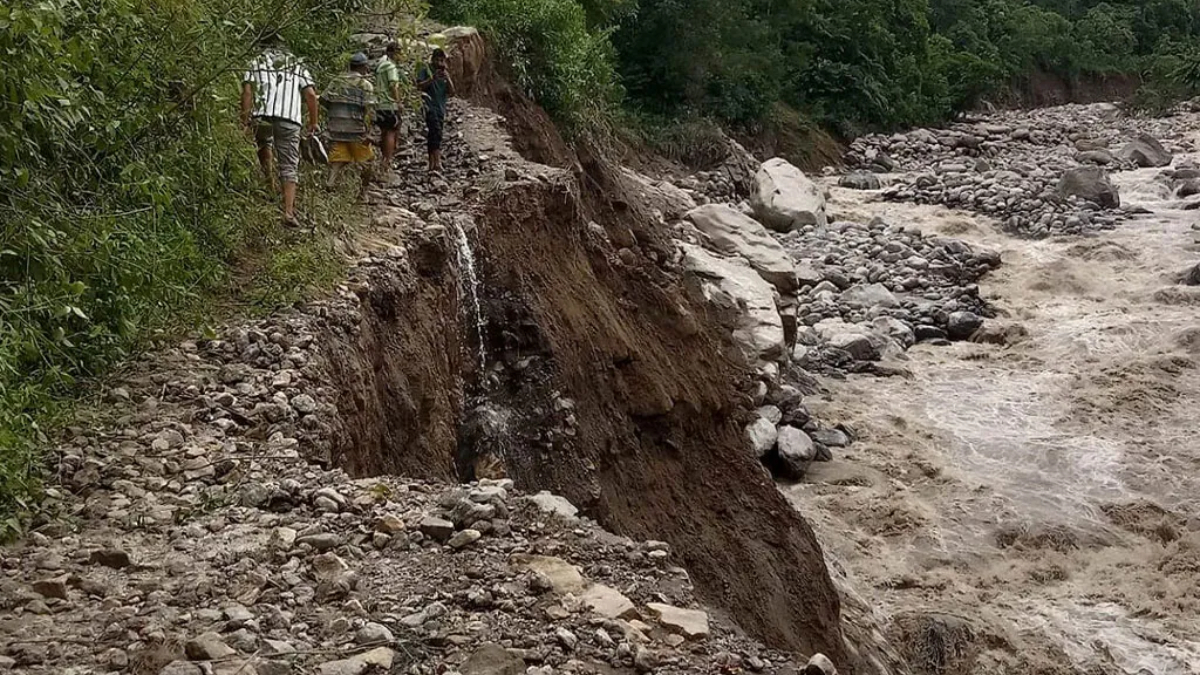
(867, 296)
(663, 196)
(748, 300)
(784, 199)
(1145, 151)
(796, 452)
(733, 233)
(1090, 183)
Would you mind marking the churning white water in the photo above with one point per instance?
(1047, 490)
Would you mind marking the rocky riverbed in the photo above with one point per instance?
(1039, 173)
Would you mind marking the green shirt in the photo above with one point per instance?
(387, 75)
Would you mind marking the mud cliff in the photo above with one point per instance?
(603, 379)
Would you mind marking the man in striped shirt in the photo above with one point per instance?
(276, 90)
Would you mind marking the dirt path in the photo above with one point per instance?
(1047, 490)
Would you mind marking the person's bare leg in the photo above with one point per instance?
(389, 149)
(289, 201)
(264, 160)
(335, 170)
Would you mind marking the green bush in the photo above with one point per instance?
(127, 190)
(553, 53)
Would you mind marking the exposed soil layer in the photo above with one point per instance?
(397, 377)
(607, 383)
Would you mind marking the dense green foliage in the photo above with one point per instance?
(127, 191)
(551, 50)
(851, 64)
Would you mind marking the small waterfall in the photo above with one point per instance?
(468, 282)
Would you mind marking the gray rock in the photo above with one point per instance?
(322, 542)
(1145, 151)
(771, 413)
(437, 528)
(566, 638)
(732, 233)
(1097, 157)
(111, 557)
(304, 404)
(464, 538)
(739, 293)
(819, 664)
(207, 647)
(372, 632)
(52, 588)
(762, 436)
(1090, 183)
(465, 512)
(833, 438)
(690, 623)
(796, 451)
(554, 504)
(868, 295)
(492, 659)
(277, 648)
(379, 659)
(858, 346)
(1191, 277)
(784, 199)
(860, 181)
(608, 602)
(923, 333)
(961, 325)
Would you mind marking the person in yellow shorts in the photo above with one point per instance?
(350, 106)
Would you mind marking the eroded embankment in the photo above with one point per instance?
(605, 380)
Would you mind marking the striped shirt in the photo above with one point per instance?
(279, 80)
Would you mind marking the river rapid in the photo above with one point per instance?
(1044, 492)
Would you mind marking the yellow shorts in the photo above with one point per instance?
(344, 153)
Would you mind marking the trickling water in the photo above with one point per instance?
(468, 282)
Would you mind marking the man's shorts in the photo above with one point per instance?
(387, 120)
(346, 153)
(433, 129)
(284, 136)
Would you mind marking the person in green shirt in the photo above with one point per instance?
(436, 87)
(387, 107)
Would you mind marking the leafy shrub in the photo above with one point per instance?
(554, 55)
(126, 188)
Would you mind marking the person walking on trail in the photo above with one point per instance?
(349, 105)
(436, 87)
(387, 111)
(277, 92)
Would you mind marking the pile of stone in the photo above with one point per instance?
(202, 541)
(877, 288)
(801, 294)
(1042, 173)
